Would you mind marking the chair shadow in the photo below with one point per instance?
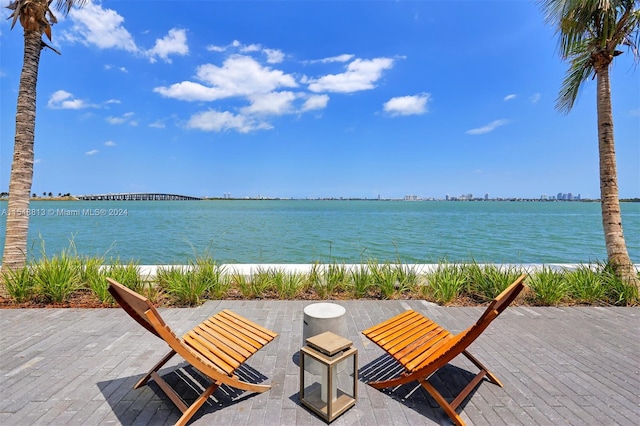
(449, 380)
(142, 405)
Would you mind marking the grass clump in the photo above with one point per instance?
(329, 280)
(360, 283)
(445, 284)
(549, 287)
(392, 280)
(617, 292)
(19, 284)
(485, 282)
(191, 285)
(585, 285)
(57, 277)
(288, 285)
(127, 274)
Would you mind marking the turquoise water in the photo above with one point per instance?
(301, 231)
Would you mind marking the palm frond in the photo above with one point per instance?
(35, 15)
(589, 34)
(580, 70)
(66, 5)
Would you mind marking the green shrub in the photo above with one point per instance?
(57, 277)
(406, 277)
(328, 280)
(182, 285)
(549, 287)
(243, 284)
(262, 282)
(385, 279)
(19, 284)
(127, 274)
(191, 285)
(445, 284)
(94, 277)
(617, 292)
(585, 285)
(288, 284)
(485, 282)
(360, 283)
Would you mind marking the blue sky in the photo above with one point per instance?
(312, 99)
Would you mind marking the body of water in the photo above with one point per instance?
(301, 231)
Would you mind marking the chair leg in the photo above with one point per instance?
(193, 408)
(493, 379)
(442, 402)
(155, 368)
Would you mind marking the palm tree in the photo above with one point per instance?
(590, 33)
(36, 19)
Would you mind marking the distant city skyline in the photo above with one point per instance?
(228, 196)
(313, 99)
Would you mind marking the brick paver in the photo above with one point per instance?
(559, 366)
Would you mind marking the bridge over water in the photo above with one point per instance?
(136, 196)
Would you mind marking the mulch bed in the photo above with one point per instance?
(79, 299)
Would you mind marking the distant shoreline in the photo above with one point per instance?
(513, 199)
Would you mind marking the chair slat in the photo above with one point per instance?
(247, 329)
(218, 335)
(232, 334)
(197, 345)
(217, 347)
(268, 334)
(390, 323)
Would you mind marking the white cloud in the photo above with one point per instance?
(109, 143)
(510, 97)
(174, 43)
(221, 121)
(213, 48)
(488, 128)
(274, 56)
(314, 102)
(535, 98)
(407, 105)
(92, 152)
(109, 67)
(274, 103)
(635, 112)
(238, 76)
(93, 25)
(157, 125)
(246, 48)
(125, 118)
(346, 57)
(62, 99)
(361, 74)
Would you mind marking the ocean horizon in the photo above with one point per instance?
(308, 231)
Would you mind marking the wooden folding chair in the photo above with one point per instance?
(422, 347)
(217, 347)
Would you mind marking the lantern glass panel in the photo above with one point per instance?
(315, 386)
(345, 378)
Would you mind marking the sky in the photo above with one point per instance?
(312, 99)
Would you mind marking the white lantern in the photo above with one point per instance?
(328, 375)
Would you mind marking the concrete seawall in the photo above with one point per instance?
(248, 269)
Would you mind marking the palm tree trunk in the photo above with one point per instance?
(617, 253)
(15, 243)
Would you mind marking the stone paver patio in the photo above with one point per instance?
(559, 366)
